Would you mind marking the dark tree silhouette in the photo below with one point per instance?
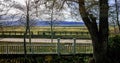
(99, 33)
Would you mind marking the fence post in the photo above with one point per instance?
(38, 33)
(31, 48)
(74, 46)
(58, 46)
(7, 49)
(2, 32)
(43, 33)
(15, 32)
(32, 33)
(9, 33)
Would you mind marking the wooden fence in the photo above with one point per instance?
(47, 48)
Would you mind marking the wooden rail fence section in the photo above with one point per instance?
(47, 48)
(58, 34)
(43, 33)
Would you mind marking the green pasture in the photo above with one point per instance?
(62, 28)
(64, 32)
(46, 28)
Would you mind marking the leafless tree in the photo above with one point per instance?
(27, 19)
(114, 11)
(117, 13)
(54, 14)
(5, 7)
(99, 31)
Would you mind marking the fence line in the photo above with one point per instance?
(61, 34)
(43, 33)
(42, 48)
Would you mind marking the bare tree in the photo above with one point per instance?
(99, 31)
(27, 19)
(99, 34)
(117, 14)
(114, 11)
(112, 18)
(5, 7)
(54, 14)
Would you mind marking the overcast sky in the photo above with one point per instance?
(66, 13)
(21, 1)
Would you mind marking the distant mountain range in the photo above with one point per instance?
(60, 23)
(46, 23)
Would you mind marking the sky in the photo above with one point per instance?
(66, 12)
(111, 1)
(21, 1)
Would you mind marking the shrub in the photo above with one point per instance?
(114, 49)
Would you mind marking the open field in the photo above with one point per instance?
(46, 29)
(44, 32)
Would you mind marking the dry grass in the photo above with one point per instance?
(46, 29)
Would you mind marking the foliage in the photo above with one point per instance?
(114, 42)
(114, 49)
(41, 59)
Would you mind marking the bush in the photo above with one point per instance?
(114, 42)
(114, 49)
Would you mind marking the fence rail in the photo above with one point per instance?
(46, 48)
(46, 34)
(43, 33)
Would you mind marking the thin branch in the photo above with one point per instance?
(73, 1)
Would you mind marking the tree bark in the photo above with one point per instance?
(27, 30)
(99, 34)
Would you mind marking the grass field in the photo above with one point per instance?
(60, 32)
(46, 29)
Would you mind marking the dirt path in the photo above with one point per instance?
(45, 40)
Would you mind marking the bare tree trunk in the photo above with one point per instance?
(99, 49)
(25, 51)
(51, 23)
(30, 39)
(114, 26)
(27, 31)
(99, 34)
(36, 9)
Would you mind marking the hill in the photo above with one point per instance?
(45, 23)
